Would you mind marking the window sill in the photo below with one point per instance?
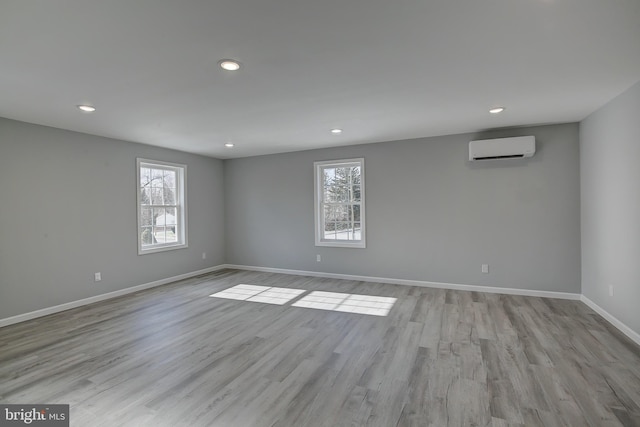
(162, 248)
(342, 244)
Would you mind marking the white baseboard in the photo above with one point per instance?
(440, 285)
(612, 319)
(73, 304)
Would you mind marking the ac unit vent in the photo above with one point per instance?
(502, 148)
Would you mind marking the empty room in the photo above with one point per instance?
(334, 213)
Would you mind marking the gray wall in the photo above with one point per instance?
(610, 185)
(431, 215)
(68, 209)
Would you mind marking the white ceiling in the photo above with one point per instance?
(379, 69)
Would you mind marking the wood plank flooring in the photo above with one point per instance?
(173, 356)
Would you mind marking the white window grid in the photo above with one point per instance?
(349, 232)
(175, 226)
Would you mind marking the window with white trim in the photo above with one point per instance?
(339, 203)
(162, 220)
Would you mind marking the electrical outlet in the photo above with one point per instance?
(97, 277)
(610, 290)
(319, 258)
(485, 268)
(204, 255)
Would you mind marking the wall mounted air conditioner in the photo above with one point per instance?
(502, 148)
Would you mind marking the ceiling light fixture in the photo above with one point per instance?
(87, 108)
(229, 65)
(229, 144)
(496, 110)
(336, 131)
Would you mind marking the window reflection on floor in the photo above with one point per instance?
(350, 303)
(254, 293)
(333, 301)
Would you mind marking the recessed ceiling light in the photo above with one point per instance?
(496, 110)
(336, 131)
(87, 108)
(229, 144)
(229, 65)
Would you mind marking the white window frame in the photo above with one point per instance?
(319, 204)
(181, 206)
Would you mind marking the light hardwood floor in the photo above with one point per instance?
(173, 356)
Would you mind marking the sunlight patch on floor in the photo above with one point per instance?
(320, 300)
(255, 293)
(349, 303)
